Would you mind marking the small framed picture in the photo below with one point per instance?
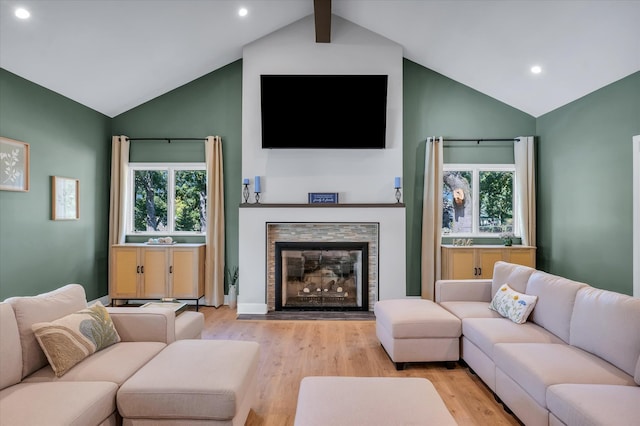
(323, 198)
(65, 203)
(14, 165)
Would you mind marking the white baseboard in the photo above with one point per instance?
(252, 308)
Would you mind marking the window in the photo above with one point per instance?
(478, 199)
(168, 198)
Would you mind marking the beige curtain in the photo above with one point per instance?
(214, 258)
(431, 216)
(524, 154)
(119, 192)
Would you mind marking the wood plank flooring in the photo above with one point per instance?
(291, 350)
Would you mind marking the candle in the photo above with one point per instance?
(257, 184)
(397, 182)
(245, 181)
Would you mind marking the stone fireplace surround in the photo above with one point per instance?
(381, 224)
(321, 233)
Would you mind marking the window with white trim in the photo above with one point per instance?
(478, 200)
(167, 198)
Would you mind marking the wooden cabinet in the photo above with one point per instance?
(475, 262)
(186, 272)
(140, 271)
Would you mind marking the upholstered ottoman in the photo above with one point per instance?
(370, 401)
(417, 330)
(193, 382)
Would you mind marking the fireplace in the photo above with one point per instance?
(321, 276)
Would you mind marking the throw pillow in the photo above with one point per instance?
(70, 339)
(512, 304)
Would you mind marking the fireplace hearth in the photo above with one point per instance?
(321, 276)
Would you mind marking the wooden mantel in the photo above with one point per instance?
(325, 205)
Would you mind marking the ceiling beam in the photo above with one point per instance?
(322, 13)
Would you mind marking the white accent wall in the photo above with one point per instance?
(288, 175)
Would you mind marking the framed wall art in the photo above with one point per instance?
(14, 165)
(65, 203)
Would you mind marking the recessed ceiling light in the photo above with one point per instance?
(243, 11)
(22, 13)
(536, 69)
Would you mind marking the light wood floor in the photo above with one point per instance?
(291, 350)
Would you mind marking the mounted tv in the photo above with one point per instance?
(324, 111)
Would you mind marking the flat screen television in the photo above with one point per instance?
(324, 111)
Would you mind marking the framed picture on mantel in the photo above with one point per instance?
(323, 198)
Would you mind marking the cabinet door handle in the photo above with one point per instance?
(142, 269)
(171, 269)
(475, 272)
(479, 271)
(138, 269)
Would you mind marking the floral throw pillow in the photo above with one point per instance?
(70, 339)
(512, 304)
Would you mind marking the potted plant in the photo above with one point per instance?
(507, 238)
(232, 280)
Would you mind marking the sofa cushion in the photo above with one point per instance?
(473, 290)
(486, 332)
(536, 366)
(70, 339)
(70, 403)
(594, 404)
(10, 352)
(512, 304)
(470, 309)
(637, 376)
(516, 275)
(556, 297)
(114, 364)
(44, 307)
(607, 324)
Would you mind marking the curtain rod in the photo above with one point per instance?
(167, 139)
(477, 141)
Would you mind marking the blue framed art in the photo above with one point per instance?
(323, 198)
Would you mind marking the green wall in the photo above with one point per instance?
(585, 186)
(210, 105)
(584, 171)
(66, 139)
(435, 105)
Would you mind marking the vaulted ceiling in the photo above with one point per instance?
(112, 55)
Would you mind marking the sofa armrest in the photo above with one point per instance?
(463, 291)
(144, 324)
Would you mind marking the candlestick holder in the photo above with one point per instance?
(257, 198)
(245, 193)
(398, 194)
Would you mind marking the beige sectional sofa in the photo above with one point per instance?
(575, 361)
(30, 391)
